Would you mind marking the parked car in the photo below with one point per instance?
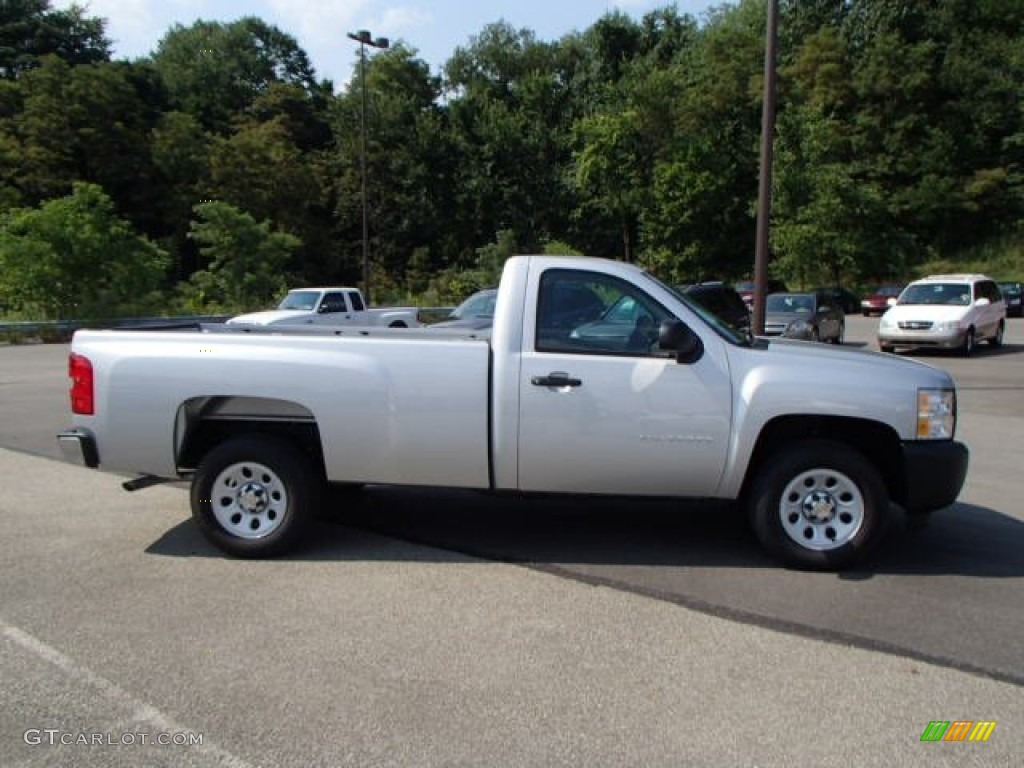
(883, 297)
(807, 316)
(1013, 298)
(746, 290)
(722, 300)
(948, 311)
(846, 299)
(476, 312)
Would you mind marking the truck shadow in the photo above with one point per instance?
(962, 540)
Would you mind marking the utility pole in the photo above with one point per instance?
(764, 192)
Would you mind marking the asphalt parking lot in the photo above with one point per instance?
(373, 648)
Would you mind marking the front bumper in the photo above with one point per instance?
(934, 474)
(929, 338)
(79, 447)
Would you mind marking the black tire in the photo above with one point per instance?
(398, 324)
(967, 347)
(997, 340)
(823, 479)
(889, 348)
(253, 496)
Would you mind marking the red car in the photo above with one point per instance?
(881, 299)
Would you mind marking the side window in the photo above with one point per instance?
(590, 313)
(357, 301)
(333, 302)
(991, 291)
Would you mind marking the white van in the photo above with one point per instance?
(949, 311)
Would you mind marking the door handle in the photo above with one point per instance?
(557, 379)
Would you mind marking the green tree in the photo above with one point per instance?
(411, 163)
(30, 30)
(90, 122)
(217, 71)
(511, 124)
(73, 257)
(246, 260)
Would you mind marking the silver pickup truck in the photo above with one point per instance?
(595, 378)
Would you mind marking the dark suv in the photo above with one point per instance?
(722, 300)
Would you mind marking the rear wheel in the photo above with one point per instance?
(253, 496)
(819, 505)
(997, 340)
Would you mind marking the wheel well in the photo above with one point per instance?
(398, 324)
(877, 442)
(204, 423)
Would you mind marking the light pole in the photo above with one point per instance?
(364, 39)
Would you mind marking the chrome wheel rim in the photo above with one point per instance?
(249, 500)
(821, 509)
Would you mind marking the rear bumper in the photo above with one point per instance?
(935, 474)
(79, 447)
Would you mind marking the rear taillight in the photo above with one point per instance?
(80, 371)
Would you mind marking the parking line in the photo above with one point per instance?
(142, 712)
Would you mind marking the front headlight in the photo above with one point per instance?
(936, 414)
(948, 325)
(887, 323)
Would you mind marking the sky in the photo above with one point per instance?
(435, 28)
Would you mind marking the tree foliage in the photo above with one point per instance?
(899, 141)
(246, 261)
(74, 257)
(30, 30)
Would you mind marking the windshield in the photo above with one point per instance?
(477, 305)
(719, 326)
(955, 294)
(305, 300)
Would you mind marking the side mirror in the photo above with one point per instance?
(982, 302)
(676, 336)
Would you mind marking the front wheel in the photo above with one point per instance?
(253, 496)
(967, 346)
(818, 505)
(840, 335)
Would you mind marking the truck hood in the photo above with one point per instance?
(273, 317)
(841, 361)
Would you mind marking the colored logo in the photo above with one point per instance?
(958, 730)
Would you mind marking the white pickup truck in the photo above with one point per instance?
(595, 378)
(330, 306)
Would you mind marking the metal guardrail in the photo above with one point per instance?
(67, 327)
(64, 328)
